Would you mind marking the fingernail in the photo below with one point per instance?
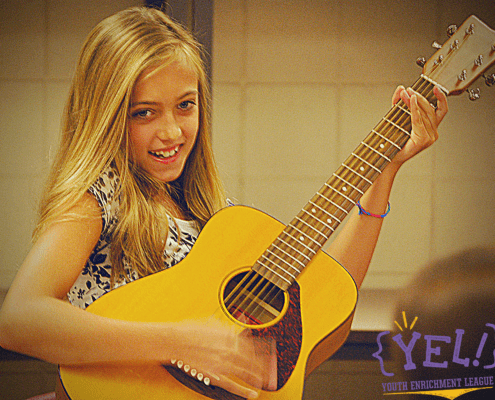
(252, 395)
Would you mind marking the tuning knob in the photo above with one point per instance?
(421, 61)
(474, 94)
(451, 30)
(479, 60)
(436, 45)
(489, 80)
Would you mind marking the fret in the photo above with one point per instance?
(387, 139)
(404, 109)
(284, 261)
(397, 126)
(303, 236)
(339, 192)
(367, 163)
(350, 184)
(298, 241)
(279, 267)
(293, 248)
(357, 173)
(290, 255)
(311, 227)
(274, 272)
(319, 220)
(377, 152)
(331, 202)
(326, 212)
(351, 178)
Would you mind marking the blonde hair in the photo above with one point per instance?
(95, 136)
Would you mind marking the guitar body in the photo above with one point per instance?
(313, 325)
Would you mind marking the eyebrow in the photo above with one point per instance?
(154, 103)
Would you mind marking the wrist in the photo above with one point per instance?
(362, 211)
(392, 168)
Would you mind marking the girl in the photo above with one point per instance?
(132, 185)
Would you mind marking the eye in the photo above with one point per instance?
(142, 114)
(186, 105)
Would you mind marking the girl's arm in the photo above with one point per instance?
(37, 321)
(355, 244)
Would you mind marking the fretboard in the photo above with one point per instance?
(304, 236)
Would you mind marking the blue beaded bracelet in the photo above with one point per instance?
(363, 211)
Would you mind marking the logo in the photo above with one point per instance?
(434, 360)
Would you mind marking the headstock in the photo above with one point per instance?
(466, 55)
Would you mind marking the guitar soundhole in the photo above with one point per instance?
(251, 299)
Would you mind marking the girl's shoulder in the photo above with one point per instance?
(106, 191)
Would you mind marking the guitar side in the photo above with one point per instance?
(232, 240)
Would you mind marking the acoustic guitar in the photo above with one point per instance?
(252, 272)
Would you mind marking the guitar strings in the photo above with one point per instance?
(400, 116)
(265, 291)
(393, 118)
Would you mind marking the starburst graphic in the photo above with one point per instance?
(405, 322)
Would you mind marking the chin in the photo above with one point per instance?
(166, 178)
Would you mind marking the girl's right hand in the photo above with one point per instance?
(237, 362)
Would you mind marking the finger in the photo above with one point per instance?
(416, 119)
(405, 96)
(237, 388)
(426, 113)
(422, 128)
(434, 113)
(423, 103)
(396, 95)
(442, 106)
(427, 119)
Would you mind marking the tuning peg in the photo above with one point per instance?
(479, 60)
(436, 45)
(421, 61)
(451, 30)
(439, 60)
(474, 94)
(489, 80)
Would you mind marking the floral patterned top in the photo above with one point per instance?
(94, 280)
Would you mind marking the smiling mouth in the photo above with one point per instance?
(164, 154)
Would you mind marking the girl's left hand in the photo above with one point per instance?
(425, 120)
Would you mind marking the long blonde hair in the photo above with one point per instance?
(95, 136)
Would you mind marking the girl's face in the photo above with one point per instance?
(164, 120)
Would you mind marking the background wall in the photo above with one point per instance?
(298, 84)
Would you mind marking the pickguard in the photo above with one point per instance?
(287, 334)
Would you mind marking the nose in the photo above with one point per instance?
(168, 129)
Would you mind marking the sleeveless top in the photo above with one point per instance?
(94, 280)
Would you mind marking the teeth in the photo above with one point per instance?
(165, 154)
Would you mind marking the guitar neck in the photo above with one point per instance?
(294, 248)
